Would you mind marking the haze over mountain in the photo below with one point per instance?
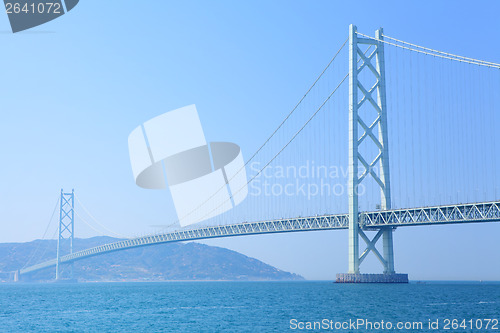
(165, 262)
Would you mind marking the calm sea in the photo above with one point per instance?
(247, 307)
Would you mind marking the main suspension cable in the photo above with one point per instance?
(95, 220)
(272, 134)
(441, 52)
(284, 147)
(436, 53)
(43, 237)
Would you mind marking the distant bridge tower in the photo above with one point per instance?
(66, 229)
(380, 140)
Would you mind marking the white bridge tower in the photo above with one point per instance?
(375, 97)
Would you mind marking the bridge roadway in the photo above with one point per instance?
(452, 214)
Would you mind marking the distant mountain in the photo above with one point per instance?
(171, 261)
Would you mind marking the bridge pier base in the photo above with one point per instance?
(371, 278)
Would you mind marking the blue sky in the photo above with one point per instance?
(73, 90)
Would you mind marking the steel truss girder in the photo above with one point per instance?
(475, 212)
(453, 214)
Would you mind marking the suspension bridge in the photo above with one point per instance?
(444, 122)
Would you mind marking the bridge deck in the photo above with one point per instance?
(452, 214)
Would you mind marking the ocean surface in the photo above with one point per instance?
(248, 307)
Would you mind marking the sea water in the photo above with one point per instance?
(249, 307)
